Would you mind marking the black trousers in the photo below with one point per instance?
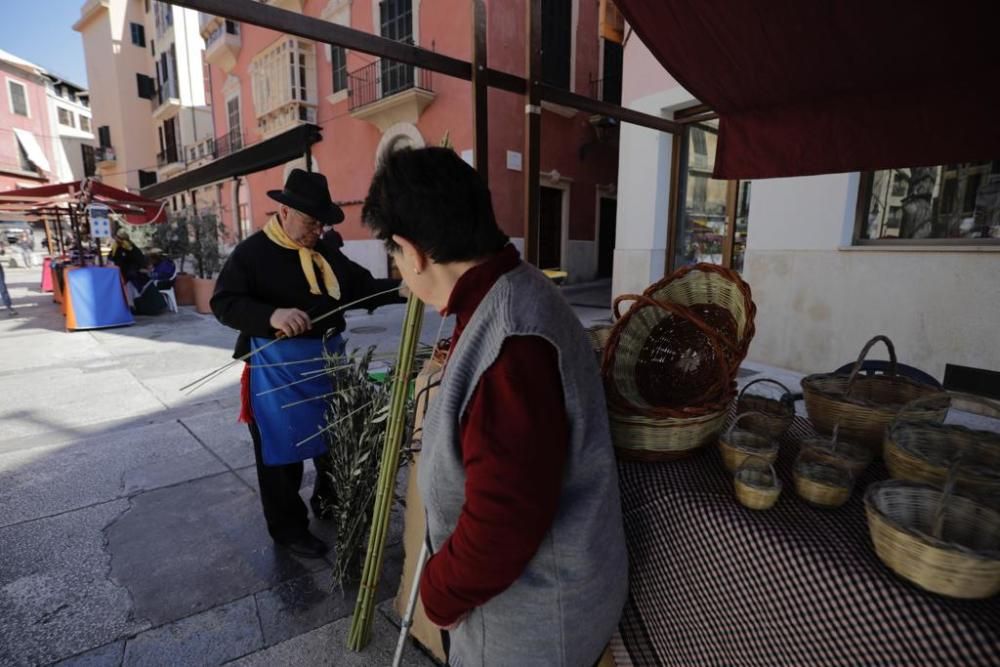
(286, 515)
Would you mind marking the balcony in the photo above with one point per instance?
(222, 43)
(170, 161)
(226, 144)
(167, 101)
(387, 92)
(104, 156)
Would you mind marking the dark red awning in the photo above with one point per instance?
(823, 86)
(134, 209)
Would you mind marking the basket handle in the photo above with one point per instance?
(732, 427)
(788, 392)
(676, 309)
(619, 299)
(770, 464)
(864, 353)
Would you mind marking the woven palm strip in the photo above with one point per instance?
(864, 405)
(772, 416)
(640, 438)
(676, 351)
(924, 451)
(757, 488)
(737, 445)
(944, 543)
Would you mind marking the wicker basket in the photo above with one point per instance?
(640, 438)
(737, 445)
(773, 416)
(943, 543)
(757, 487)
(849, 455)
(864, 405)
(599, 336)
(924, 451)
(678, 347)
(822, 483)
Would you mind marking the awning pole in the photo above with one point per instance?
(532, 128)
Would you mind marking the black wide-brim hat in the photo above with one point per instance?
(307, 191)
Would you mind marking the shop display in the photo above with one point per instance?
(771, 417)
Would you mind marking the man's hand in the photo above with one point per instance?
(290, 321)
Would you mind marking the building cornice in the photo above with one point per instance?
(89, 12)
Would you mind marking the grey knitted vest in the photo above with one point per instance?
(567, 603)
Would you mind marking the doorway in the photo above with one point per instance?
(607, 225)
(550, 221)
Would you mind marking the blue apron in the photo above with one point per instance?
(281, 428)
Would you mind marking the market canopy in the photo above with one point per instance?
(135, 210)
(812, 87)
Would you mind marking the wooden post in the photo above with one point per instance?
(532, 128)
(480, 90)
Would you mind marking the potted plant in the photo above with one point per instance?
(206, 234)
(173, 238)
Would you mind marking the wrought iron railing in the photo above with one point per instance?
(383, 78)
(168, 156)
(228, 143)
(104, 154)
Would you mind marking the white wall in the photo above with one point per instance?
(369, 254)
(819, 299)
(67, 141)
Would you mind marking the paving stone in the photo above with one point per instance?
(327, 645)
(56, 598)
(109, 655)
(223, 434)
(187, 548)
(209, 638)
(308, 602)
(43, 481)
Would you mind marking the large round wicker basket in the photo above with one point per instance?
(918, 451)
(676, 351)
(864, 405)
(640, 438)
(943, 543)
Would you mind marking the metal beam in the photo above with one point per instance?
(480, 90)
(581, 103)
(532, 127)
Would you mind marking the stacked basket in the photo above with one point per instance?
(671, 360)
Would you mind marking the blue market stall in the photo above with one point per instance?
(95, 299)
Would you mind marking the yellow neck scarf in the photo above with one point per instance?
(120, 243)
(309, 258)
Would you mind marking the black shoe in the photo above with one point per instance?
(306, 546)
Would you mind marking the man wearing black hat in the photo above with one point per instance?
(274, 284)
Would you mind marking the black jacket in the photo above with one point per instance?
(261, 276)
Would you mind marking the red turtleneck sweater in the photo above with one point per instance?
(514, 438)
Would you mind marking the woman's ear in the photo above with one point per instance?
(415, 260)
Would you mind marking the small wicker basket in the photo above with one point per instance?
(640, 438)
(822, 483)
(943, 543)
(737, 445)
(864, 405)
(848, 455)
(774, 416)
(757, 488)
(924, 451)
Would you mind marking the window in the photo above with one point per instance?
(283, 81)
(138, 34)
(89, 161)
(145, 86)
(104, 136)
(163, 17)
(710, 221)
(396, 24)
(152, 48)
(169, 140)
(18, 98)
(23, 161)
(611, 88)
(338, 59)
(232, 27)
(84, 123)
(235, 127)
(65, 117)
(952, 203)
(557, 42)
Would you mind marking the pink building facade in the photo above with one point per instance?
(365, 108)
(26, 156)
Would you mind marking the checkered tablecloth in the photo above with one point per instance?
(713, 583)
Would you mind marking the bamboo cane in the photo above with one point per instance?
(364, 608)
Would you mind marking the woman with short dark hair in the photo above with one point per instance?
(517, 471)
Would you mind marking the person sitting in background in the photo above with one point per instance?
(162, 270)
(128, 258)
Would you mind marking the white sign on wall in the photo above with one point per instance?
(513, 160)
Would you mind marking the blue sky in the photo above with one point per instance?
(41, 31)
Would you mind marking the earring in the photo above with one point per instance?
(416, 271)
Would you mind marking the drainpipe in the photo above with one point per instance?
(236, 208)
